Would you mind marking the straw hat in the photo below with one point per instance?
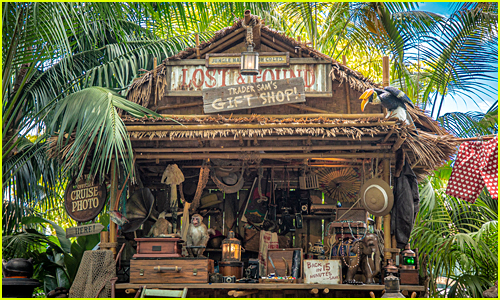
(209, 200)
(376, 197)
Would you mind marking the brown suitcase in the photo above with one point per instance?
(171, 270)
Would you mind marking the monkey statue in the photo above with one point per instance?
(197, 235)
(161, 228)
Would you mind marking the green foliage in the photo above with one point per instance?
(456, 239)
(56, 258)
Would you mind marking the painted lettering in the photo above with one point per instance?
(217, 104)
(211, 78)
(198, 82)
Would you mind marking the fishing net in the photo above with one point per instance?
(93, 278)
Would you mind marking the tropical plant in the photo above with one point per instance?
(56, 258)
(456, 239)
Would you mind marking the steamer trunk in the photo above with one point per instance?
(189, 270)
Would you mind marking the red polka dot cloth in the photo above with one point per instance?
(476, 165)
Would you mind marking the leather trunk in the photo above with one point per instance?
(170, 270)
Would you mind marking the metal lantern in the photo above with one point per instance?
(409, 258)
(249, 62)
(392, 289)
(231, 248)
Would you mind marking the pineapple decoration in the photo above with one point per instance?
(341, 184)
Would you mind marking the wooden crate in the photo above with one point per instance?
(189, 270)
(276, 255)
(355, 214)
(409, 277)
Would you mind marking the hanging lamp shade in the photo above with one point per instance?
(249, 62)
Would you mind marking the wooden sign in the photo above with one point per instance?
(84, 201)
(84, 230)
(322, 271)
(253, 95)
(233, 60)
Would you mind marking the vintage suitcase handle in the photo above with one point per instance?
(159, 269)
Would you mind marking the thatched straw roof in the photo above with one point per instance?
(141, 89)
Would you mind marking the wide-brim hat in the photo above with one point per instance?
(376, 197)
(209, 200)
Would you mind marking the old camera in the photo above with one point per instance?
(229, 279)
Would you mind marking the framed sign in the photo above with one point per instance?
(253, 95)
(84, 200)
(327, 271)
(233, 60)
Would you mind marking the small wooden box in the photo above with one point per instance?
(409, 277)
(158, 247)
(277, 256)
(171, 270)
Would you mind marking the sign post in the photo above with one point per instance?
(84, 200)
(84, 230)
(251, 95)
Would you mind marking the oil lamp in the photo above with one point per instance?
(231, 264)
(391, 282)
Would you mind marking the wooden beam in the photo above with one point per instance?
(215, 46)
(308, 108)
(385, 75)
(193, 156)
(252, 126)
(277, 47)
(182, 105)
(347, 88)
(279, 43)
(264, 148)
(389, 134)
(197, 40)
(293, 116)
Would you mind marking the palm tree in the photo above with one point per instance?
(55, 51)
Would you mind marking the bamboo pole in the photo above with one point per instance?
(389, 134)
(197, 41)
(192, 156)
(385, 74)
(112, 199)
(387, 218)
(263, 148)
(348, 97)
(155, 64)
(268, 138)
(290, 116)
(252, 126)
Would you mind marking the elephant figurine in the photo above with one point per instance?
(369, 258)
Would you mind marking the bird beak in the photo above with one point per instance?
(363, 104)
(367, 94)
(365, 97)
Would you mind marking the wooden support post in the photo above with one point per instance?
(112, 200)
(155, 64)
(300, 48)
(385, 74)
(326, 291)
(314, 291)
(387, 218)
(348, 98)
(197, 40)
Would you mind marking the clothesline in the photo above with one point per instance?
(486, 137)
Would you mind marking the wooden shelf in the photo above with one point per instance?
(269, 286)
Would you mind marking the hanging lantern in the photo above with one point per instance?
(409, 258)
(249, 62)
(231, 248)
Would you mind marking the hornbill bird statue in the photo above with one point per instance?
(391, 98)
